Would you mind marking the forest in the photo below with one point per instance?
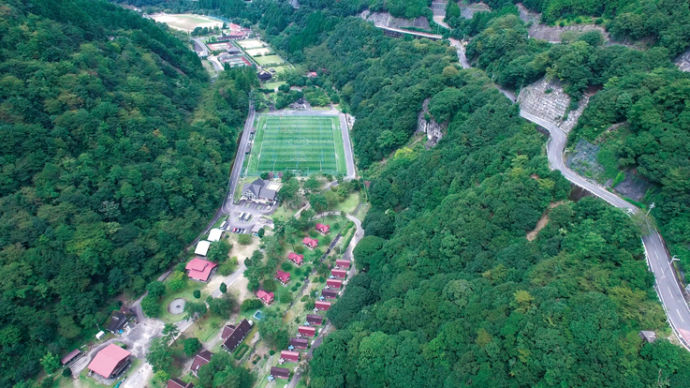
(114, 152)
(103, 185)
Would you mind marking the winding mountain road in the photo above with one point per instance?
(658, 260)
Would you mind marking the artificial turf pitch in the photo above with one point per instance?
(303, 144)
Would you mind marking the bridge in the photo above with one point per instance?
(397, 32)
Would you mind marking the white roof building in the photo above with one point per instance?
(215, 234)
(202, 248)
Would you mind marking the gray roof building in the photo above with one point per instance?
(258, 190)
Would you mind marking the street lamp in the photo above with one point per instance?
(674, 258)
(651, 206)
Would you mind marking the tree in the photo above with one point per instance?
(191, 346)
(156, 289)
(218, 251)
(160, 356)
(194, 310)
(250, 304)
(223, 288)
(170, 331)
(222, 306)
(222, 372)
(50, 363)
(244, 239)
(318, 202)
(150, 306)
(197, 294)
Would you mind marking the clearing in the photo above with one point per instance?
(305, 144)
(187, 21)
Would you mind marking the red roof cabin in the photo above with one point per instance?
(312, 74)
(295, 258)
(289, 356)
(266, 297)
(299, 343)
(280, 373)
(283, 277)
(310, 242)
(342, 263)
(110, 361)
(334, 283)
(339, 273)
(200, 269)
(71, 356)
(322, 228)
(314, 319)
(322, 305)
(202, 358)
(307, 331)
(177, 383)
(329, 293)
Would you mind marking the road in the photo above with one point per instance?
(239, 160)
(347, 145)
(200, 48)
(658, 260)
(438, 8)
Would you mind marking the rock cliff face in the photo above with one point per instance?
(547, 100)
(387, 20)
(433, 130)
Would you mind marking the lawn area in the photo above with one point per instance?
(268, 60)
(273, 85)
(254, 52)
(349, 204)
(282, 69)
(303, 144)
(205, 328)
(187, 294)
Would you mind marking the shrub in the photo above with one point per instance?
(286, 266)
(67, 372)
(223, 288)
(197, 294)
(269, 285)
(228, 266)
(250, 304)
(244, 239)
(150, 306)
(191, 346)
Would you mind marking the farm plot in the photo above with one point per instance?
(300, 143)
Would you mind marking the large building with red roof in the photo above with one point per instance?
(314, 319)
(200, 269)
(299, 343)
(177, 383)
(322, 305)
(280, 373)
(310, 242)
(266, 297)
(342, 263)
(339, 273)
(295, 258)
(110, 361)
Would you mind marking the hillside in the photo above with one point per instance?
(113, 158)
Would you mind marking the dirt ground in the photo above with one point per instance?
(186, 22)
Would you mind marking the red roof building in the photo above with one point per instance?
(312, 74)
(289, 355)
(339, 273)
(314, 319)
(307, 331)
(177, 383)
(299, 343)
(266, 297)
(295, 258)
(200, 269)
(334, 283)
(283, 277)
(329, 293)
(202, 358)
(322, 305)
(69, 357)
(280, 373)
(342, 263)
(310, 242)
(110, 361)
(323, 229)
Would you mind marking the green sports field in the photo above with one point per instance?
(303, 144)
